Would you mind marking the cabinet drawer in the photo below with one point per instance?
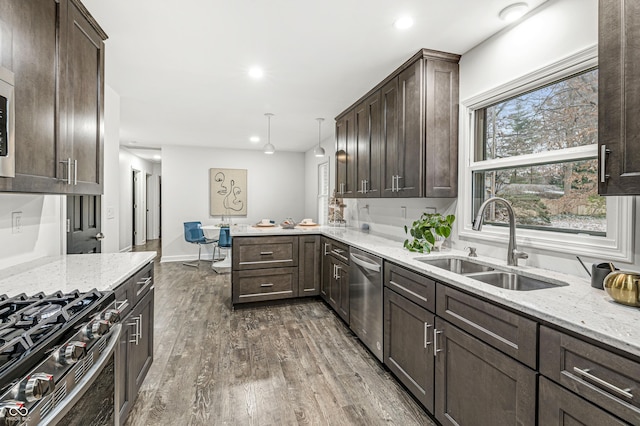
(265, 252)
(558, 406)
(417, 288)
(609, 380)
(143, 281)
(264, 284)
(509, 332)
(125, 297)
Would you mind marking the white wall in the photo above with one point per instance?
(111, 197)
(42, 232)
(311, 163)
(275, 189)
(128, 163)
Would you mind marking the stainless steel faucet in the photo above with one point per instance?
(513, 254)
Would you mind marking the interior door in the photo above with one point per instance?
(83, 224)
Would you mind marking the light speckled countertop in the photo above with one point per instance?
(83, 272)
(577, 306)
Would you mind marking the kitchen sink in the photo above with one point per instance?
(459, 266)
(512, 281)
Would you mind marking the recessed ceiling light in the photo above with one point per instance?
(157, 157)
(513, 12)
(256, 73)
(254, 139)
(403, 23)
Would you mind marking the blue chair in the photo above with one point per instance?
(223, 242)
(194, 234)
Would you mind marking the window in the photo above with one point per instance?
(533, 141)
(549, 185)
(323, 192)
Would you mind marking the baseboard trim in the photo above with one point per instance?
(126, 249)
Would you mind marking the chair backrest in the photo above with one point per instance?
(225, 238)
(193, 232)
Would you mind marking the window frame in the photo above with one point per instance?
(323, 215)
(616, 245)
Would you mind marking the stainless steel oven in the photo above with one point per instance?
(58, 359)
(7, 124)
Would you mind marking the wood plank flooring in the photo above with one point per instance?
(294, 363)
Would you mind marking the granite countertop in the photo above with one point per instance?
(575, 306)
(83, 272)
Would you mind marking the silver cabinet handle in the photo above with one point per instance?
(603, 163)
(68, 163)
(326, 247)
(426, 327)
(136, 334)
(266, 253)
(145, 281)
(266, 285)
(338, 268)
(75, 172)
(121, 306)
(140, 331)
(622, 392)
(398, 177)
(393, 183)
(435, 341)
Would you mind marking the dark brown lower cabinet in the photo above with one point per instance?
(408, 345)
(338, 295)
(309, 265)
(135, 352)
(479, 385)
(559, 407)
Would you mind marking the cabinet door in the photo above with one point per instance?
(408, 345)
(441, 127)
(619, 97)
(343, 284)
(389, 137)
(478, 385)
(558, 406)
(141, 355)
(345, 155)
(309, 265)
(334, 285)
(409, 180)
(327, 269)
(29, 44)
(82, 98)
(368, 120)
(124, 380)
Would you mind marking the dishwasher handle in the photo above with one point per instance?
(360, 261)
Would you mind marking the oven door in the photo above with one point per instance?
(92, 401)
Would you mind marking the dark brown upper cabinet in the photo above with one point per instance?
(368, 125)
(619, 97)
(346, 155)
(55, 51)
(416, 135)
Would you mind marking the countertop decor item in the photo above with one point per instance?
(623, 287)
(428, 232)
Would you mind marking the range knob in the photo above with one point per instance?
(12, 413)
(38, 385)
(111, 315)
(97, 328)
(71, 353)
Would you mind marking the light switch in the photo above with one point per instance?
(111, 212)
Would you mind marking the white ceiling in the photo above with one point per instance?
(181, 67)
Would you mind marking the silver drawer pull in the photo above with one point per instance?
(121, 306)
(266, 285)
(622, 392)
(145, 281)
(266, 253)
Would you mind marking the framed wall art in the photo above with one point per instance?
(228, 192)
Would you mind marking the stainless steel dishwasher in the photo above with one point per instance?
(365, 299)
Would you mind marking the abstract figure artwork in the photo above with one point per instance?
(228, 189)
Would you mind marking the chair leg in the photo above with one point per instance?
(194, 265)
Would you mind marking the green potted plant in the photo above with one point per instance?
(428, 232)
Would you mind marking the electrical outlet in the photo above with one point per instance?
(16, 222)
(111, 212)
(403, 212)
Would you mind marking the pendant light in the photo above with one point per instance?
(319, 151)
(269, 148)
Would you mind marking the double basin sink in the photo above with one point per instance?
(488, 274)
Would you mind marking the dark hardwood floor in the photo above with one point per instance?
(294, 363)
